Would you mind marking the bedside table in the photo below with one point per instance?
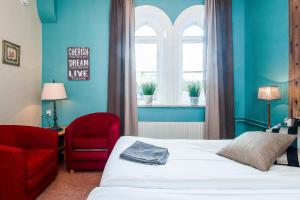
(61, 143)
(61, 140)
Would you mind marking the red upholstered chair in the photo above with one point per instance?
(89, 140)
(28, 161)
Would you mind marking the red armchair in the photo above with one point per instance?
(28, 161)
(89, 141)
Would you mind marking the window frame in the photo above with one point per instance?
(160, 22)
(150, 40)
(170, 39)
(191, 40)
(192, 16)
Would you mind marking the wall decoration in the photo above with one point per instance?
(78, 63)
(10, 53)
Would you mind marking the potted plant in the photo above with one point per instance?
(194, 89)
(148, 91)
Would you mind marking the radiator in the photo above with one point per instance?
(172, 130)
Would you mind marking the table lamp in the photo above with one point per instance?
(269, 93)
(53, 92)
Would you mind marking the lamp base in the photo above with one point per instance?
(56, 128)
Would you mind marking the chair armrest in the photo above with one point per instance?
(68, 139)
(113, 136)
(12, 173)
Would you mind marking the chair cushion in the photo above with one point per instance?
(37, 160)
(89, 143)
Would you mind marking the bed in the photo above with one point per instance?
(124, 193)
(193, 171)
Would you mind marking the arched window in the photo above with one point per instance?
(152, 28)
(169, 55)
(189, 39)
(193, 31)
(146, 47)
(192, 59)
(145, 31)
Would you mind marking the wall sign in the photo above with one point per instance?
(78, 63)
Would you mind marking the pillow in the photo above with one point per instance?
(292, 155)
(257, 149)
(277, 126)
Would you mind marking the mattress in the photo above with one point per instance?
(124, 193)
(194, 165)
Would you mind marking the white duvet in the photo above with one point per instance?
(124, 193)
(194, 165)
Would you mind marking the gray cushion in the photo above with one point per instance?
(257, 149)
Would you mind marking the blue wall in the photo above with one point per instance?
(260, 31)
(47, 10)
(75, 26)
(79, 23)
(169, 114)
(238, 27)
(266, 58)
(172, 9)
(260, 36)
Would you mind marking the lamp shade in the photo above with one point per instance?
(268, 93)
(54, 91)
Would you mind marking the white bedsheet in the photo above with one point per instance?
(123, 193)
(193, 164)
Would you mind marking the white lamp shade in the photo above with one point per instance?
(54, 91)
(268, 93)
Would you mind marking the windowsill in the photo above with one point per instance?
(169, 106)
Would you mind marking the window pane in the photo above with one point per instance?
(192, 56)
(146, 56)
(191, 77)
(146, 31)
(193, 31)
(142, 77)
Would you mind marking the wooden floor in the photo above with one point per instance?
(71, 186)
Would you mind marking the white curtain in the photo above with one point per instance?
(212, 117)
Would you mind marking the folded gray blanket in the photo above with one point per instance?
(144, 153)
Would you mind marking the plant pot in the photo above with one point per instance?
(148, 99)
(194, 101)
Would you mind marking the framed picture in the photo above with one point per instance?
(10, 53)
